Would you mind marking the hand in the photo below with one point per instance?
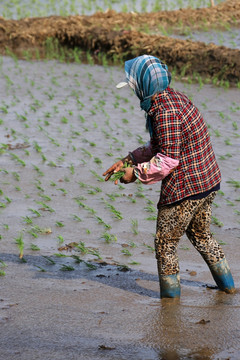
(129, 176)
(114, 168)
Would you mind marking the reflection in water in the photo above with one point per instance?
(196, 330)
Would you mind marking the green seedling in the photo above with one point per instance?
(126, 252)
(150, 208)
(134, 226)
(16, 157)
(97, 176)
(150, 248)
(117, 175)
(90, 266)
(41, 269)
(40, 173)
(45, 207)
(59, 224)
(60, 239)
(117, 214)
(84, 206)
(67, 268)
(134, 263)
(216, 221)
(51, 261)
(76, 217)
(100, 221)
(234, 183)
(34, 247)
(109, 238)
(2, 264)
(45, 197)
(77, 259)
(62, 190)
(151, 218)
(20, 244)
(184, 247)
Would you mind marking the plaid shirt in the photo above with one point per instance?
(180, 132)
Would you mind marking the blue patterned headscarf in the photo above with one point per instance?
(147, 76)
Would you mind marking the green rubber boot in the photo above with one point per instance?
(222, 276)
(169, 284)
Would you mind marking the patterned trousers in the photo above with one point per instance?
(192, 217)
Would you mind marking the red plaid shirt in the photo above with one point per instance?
(180, 132)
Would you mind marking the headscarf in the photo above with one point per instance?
(147, 76)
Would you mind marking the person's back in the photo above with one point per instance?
(180, 132)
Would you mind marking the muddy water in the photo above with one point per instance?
(230, 39)
(61, 126)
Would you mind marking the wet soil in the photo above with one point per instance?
(122, 36)
(61, 126)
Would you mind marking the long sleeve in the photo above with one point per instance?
(156, 169)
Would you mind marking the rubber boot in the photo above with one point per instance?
(169, 286)
(222, 276)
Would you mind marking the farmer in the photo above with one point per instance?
(180, 154)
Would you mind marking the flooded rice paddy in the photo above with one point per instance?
(62, 125)
(18, 9)
(79, 277)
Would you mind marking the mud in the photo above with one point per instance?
(61, 126)
(122, 36)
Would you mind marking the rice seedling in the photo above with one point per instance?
(59, 224)
(50, 260)
(216, 221)
(60, 255)
(40, 173)
(228, 142)
(20, 244)
(230, 203)
(234, 183)
(149, 247)
(150, 208)
(109, 238)
(86, 152)
(3, 265)
(17, 158)
(76, 217)
(152, 218)
(134, 263)
(134, 226)
(117, 214)
(99, 178)
(97, 161)
(45, 197)
(126, 252)
(34, 247)
(45, 207)
(67, 268)
(41, 269)
(60, 239)
(64, 191)
(100, 221)
(84, 206)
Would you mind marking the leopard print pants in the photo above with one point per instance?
(192, 217)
